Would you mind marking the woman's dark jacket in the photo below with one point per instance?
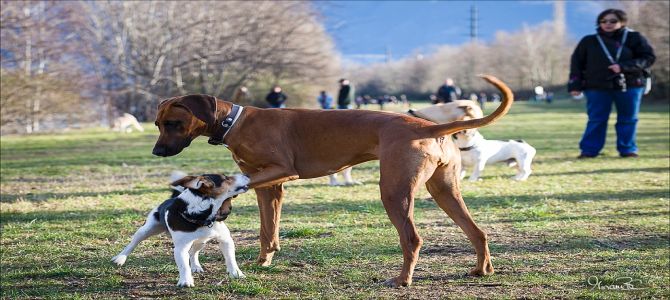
(588, 66)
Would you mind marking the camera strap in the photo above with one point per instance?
(618, 52)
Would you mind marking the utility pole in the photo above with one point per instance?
(388, 54)
(559, 18)
(473, 23)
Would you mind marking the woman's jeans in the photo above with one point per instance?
(598, 108)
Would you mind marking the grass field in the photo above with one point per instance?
(576, 229)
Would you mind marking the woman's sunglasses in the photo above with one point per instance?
(611, 21)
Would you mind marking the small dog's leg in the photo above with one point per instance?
(523, 172)
(476, 169)
(348, 180)
(193, 256)
(227, 247)
(151, 227)
(333, 180)
(181, 246)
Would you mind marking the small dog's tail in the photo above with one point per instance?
(456, 126)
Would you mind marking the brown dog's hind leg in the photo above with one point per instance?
(444, 188)
(397, 191)
(269, 204)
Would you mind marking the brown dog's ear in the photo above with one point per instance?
(202, 107)
(191, 182)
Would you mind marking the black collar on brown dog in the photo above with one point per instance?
(226, 125)
(467, 148)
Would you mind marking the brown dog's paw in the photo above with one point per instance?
(263, 262)
(396, 283)
(488, 270)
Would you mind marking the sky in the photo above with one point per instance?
(363, 31)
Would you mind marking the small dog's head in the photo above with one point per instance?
(217, 186)
(466, 134)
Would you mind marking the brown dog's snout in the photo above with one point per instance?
(160, 151)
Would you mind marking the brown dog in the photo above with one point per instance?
(277, 145)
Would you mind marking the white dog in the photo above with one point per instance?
(126, 123)
(192, 218)
(476, 152)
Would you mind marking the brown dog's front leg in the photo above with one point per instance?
(271, 176)
(269, 204)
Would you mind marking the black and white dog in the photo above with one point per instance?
(193, 215)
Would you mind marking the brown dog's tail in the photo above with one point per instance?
(456, 126)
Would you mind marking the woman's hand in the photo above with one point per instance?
(615, 68)
(575, 93)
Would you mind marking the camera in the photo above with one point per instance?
(620, 81)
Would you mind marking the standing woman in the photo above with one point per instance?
(610, 66)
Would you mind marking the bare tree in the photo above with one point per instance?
(163, 48)
(38, 38)
(651, 19)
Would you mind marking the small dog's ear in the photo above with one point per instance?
(202, 107)
(191, 182)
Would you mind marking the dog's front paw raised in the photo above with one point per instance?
(186, 283)
(237, 273)
(119, 260)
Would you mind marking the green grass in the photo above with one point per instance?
(71, 201)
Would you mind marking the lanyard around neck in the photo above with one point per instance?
(618, 52)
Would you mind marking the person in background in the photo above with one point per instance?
(550, 97)
(448, 92)
(325, 100)
(276, 98)
(359, 102)
(346, 95)
(610, 66)
(482, 99)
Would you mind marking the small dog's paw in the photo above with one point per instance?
(185, 283)
(236, 274)
(119, 260)
(197, 269)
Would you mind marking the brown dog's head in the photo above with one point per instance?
(180, 120)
